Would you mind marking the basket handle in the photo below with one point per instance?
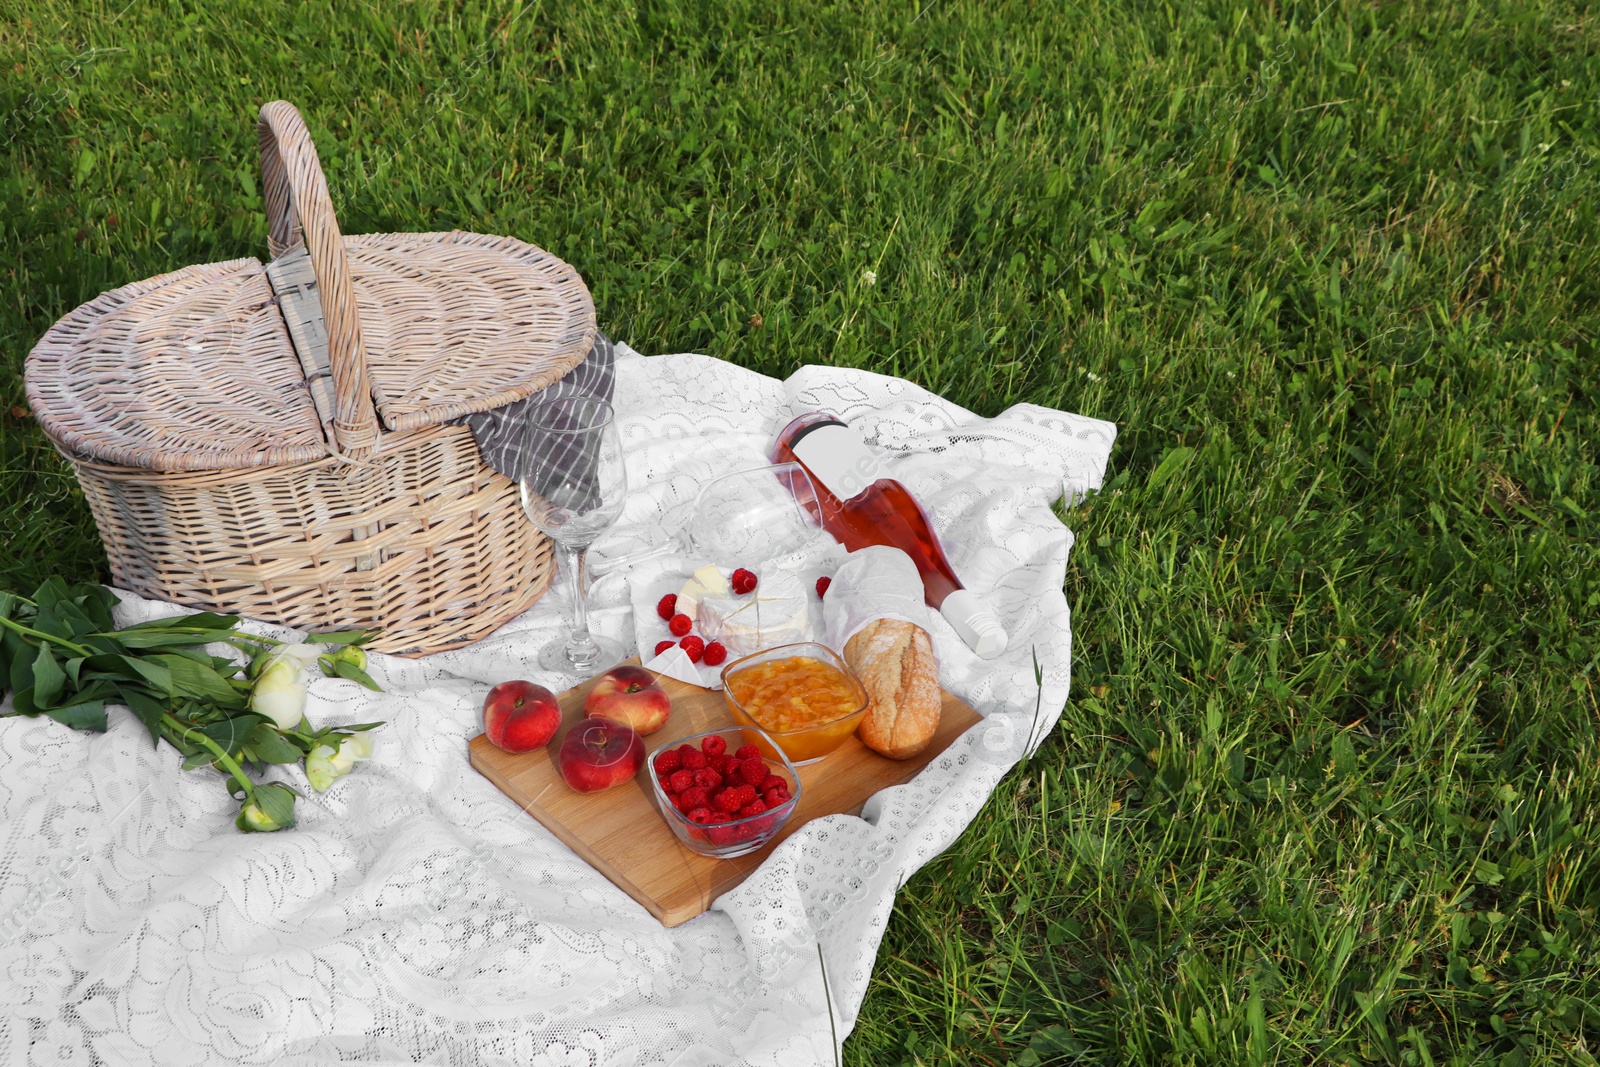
(298, 207)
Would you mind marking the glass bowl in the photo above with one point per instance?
(734, 837)
(805, 744)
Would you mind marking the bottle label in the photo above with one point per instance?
(838, 458)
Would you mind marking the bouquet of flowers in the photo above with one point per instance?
(61, 656)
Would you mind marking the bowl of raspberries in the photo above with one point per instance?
(720, 795)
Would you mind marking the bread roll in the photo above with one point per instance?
(895, 662)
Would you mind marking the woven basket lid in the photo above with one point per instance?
(229, 365)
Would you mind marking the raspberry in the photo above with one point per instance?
(772, 781)
(678, 801)
(728, 800)
(662, 646)
(747, 752)
(775, 798)
(680, 780)
(822, 586)
(733, 773)
(668, 606)
(715, 653)
(743, 581)
(680, 624)
(701, 814)
(715, 744)
(667, 762)
(695, 646)
(718, 763)
(755, 807)
(694, 761)
(706, 778)
(746, 794)
(692, 798)
(755, 771)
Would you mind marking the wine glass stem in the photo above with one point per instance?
(580, 646)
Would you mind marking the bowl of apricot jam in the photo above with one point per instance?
(804, 697)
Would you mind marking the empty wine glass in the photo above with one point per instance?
(573, 483)
(755, 514)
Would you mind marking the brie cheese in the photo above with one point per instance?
(708, 581)
(777, 613)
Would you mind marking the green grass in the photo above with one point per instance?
(1325, 790)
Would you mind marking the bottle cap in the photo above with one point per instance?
(978, 626)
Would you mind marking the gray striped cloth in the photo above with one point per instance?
(510, 447)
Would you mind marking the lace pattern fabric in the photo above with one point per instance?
(417, 915)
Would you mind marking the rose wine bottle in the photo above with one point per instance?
(860, 505)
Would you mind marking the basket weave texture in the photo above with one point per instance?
(274, 441)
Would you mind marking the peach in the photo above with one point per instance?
(520, 716)
(597, 754)
(629, 695)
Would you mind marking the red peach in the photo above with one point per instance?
(629, 695)
(597, 754)
(520, 716)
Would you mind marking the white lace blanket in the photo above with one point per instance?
(415, 914)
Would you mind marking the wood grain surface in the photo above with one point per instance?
(623, 835)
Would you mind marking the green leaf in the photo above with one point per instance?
(355, 674)
(146, 708)
(170, 638)
(48, 678)
(59, 610)
(200, 757)
(156, 675)
(66, 617)
(200, 620)
(84, 167)
(272, 747)
(199, 680)
(339, 637)
(97, 602)
(22, 702)
(87, 715)
(11, 646)
(1169, 465)
(230, 733)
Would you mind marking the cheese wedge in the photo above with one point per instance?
(708, 581)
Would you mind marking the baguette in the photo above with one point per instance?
(895, 662)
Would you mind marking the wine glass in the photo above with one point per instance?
(759, 513)
(573, 483)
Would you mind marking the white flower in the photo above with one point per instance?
(326, 764)
(869, 278)
(280, 690)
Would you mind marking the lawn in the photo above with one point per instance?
(1326, 787)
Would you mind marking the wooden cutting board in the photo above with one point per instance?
(622, 834)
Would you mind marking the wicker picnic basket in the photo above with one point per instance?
(277, 441)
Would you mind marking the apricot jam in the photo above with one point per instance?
(808, 705)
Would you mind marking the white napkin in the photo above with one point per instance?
(876, 582)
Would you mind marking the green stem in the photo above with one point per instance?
(221, 753)
(12, 624)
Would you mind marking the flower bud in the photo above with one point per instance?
(257, 820)
(354, 655)
(326, 764)
(323, 766)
